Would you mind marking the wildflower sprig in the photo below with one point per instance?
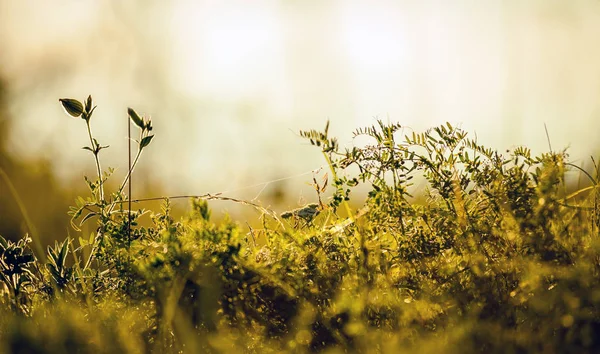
(76, 109)
(98, 205)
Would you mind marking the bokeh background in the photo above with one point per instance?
(229, 84)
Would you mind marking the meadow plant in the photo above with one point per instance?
(493, 254)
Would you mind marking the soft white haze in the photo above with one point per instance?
(229, 84)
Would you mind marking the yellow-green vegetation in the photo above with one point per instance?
(496, 257)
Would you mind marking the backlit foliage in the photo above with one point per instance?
(492, 255)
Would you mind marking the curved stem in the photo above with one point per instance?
(131, 166)
(135, 160)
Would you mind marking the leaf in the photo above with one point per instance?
(64, 252)
(83, 242)
(73, 107)
(3, 242)
(89, 114)
(135, 118)
(52, 253)
(77, 213)
(146, 141)
(87, 148)
(85, 218)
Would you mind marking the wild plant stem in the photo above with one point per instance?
(335, 177)
(112, 206)
(98, 168)
(132, 166)
(135, 160)
(129, 185)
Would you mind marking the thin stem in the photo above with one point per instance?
(131, 166)
(129, 185)
(137, 157)
(335, 177)
(209, 196)
(90, 257)
(98, 168)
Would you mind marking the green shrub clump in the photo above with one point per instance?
(493, 254)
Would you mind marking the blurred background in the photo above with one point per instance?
(229, 84)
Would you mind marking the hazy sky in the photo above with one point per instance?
(229, 83)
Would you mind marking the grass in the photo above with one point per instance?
(494, 256)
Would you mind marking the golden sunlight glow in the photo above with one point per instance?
(238, 79)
